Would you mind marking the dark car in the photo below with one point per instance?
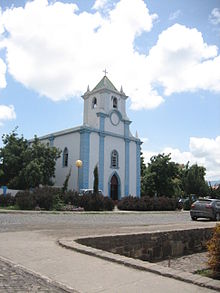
(205, 208)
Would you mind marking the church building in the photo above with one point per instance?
(104, 140)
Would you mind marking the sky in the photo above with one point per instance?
(165, 54)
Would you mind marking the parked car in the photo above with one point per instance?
(205, 208)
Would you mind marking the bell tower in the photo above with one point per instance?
(104, 101)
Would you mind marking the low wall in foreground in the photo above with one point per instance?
(153, 246)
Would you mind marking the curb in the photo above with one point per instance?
(140, 265)
(19, 268)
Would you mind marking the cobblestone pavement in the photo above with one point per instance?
(188, 263)
(13, 279)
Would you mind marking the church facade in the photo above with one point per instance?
(104, 140)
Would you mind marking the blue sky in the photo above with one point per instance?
(164, 53)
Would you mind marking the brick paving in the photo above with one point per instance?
(15, 279)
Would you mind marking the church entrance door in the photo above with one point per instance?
(114, 188)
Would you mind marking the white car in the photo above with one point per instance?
(87, 192)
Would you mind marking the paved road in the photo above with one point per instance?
(80, 221)
(29, 239)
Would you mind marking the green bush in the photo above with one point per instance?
(25, 200)
(147, 204)
(7, 200)
(213, 246)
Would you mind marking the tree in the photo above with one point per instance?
(66, 181)
(143, 166)
(24, 164)
(160, 176)
(214, 191)
(96, 180)
(12, 157)
(194, 181)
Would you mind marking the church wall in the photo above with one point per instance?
(109, 103)
(113, 143)
(132, 169)
(90, 117)
(118, 129)
(72, 142)
(94, 156)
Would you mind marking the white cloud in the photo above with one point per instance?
(144, 139)
(175, 15)
(215, 16)
(57, 51)
(99, 4)
(181, 61)
(2, 74)
(7, 113)
(202, 151)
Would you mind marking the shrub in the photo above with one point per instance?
(7, 200)
(147, 204)
(96, 202)
(71, 197)
(187, 203)
(25, 200)
(108, 204)
(128, 203)
(214, 252)
(47, 198)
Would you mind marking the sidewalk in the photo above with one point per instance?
(39, 252)
(14, 278)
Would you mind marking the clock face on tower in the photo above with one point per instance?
(114, 118)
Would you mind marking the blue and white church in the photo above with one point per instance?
(104, 140)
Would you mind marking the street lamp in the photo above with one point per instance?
(78, 165)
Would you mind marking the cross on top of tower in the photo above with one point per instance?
(105, 71)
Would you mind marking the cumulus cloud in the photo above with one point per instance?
(181, 61)
(56, 50)
(215, 16)
(99, 4)
(7, 113)
(2, 74)
(202, 151)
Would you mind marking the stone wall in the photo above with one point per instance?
(153, 246)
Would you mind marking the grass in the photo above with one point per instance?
(207, 273)
(10, 208)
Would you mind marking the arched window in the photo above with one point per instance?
(115, 102)
(114, 159)
(65, 157)
(94, 103)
